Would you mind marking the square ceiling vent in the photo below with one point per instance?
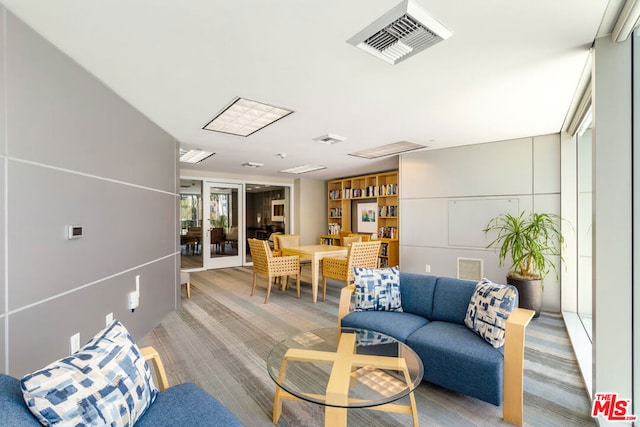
(401, 33)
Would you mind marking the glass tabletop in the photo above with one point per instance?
(348, 368)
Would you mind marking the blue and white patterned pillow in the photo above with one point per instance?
(489, 309)
(107, 382)
(377, 289)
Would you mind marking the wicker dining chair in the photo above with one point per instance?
(348, 240)
(269, 266)
(361, 254)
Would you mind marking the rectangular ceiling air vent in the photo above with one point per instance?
(400, 33)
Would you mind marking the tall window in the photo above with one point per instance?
(585, 222)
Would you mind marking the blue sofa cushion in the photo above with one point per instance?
(397, 324)
(456, 358)
(377, 289)
(451, 299)
(488, 310)
(13, 410)
(187, 405)
(105, 382)
(416, 291)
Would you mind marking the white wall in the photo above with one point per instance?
(311, 209)
(447, 196)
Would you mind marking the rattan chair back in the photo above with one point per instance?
(265, 264)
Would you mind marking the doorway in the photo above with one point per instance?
(223, 207)
(267, 212)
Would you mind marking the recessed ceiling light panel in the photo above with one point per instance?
(400, 33)
(388, 150)
(194, 156)
(303, 169)
(243, 117)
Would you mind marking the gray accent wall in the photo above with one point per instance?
(74, 153)
(447, 196)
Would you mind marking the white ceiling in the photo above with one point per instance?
(509, 71)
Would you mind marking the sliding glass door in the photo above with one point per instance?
(222, 230)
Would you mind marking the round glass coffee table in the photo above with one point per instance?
(341, 369)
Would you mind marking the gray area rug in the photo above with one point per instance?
(220, 339)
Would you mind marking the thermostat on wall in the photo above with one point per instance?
(75, 231)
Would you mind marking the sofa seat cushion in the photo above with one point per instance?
(397, 324)
(187, 405)
(13, 411)
(457, 358)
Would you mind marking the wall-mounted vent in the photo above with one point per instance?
(470, 268)
(401, 33)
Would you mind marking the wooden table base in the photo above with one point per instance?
(344, 360)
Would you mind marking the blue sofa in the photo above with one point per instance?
(455, 357)
(180, 405)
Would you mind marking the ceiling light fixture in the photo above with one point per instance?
(400, 33)
(330, 138)
(303, 169)
(252, 165)
(243, 117)
(194, 156)
(388, 149)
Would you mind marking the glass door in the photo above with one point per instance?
(190, 224)
(223, 232)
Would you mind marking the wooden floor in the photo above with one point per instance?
(221, 337)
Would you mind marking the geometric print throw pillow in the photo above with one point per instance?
(377, 289)
(107, 383)
(488, 310)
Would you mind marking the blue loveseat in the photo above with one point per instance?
(180, 405)
(432, 324)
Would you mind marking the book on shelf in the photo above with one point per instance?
(334, 228)
(384, 249)
(388, 232)
(387, 211)
(388, 190)
(335, 212)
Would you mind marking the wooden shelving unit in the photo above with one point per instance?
(382, 187)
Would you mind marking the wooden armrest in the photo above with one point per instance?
(150, 354)
(345, 302)
(512, 402)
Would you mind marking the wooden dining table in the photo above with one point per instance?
(315, 253)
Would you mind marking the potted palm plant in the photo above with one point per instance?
(532, 242)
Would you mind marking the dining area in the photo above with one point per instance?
(287, 257)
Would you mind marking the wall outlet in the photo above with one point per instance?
(108, 319)
(74, 343)
(427, 268)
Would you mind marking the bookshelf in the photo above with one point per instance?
(381, 187)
